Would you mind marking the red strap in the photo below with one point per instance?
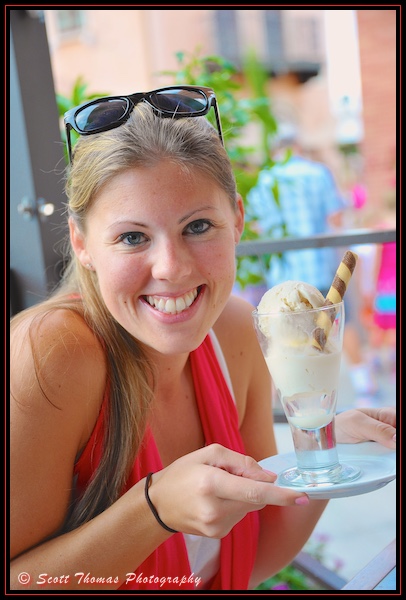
(168, 566)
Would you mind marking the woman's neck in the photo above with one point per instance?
(169, 370)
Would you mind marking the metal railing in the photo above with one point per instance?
(351, 238)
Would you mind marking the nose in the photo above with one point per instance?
(171, 261)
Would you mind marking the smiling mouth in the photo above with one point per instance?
(173, 306)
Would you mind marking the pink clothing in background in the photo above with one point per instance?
(385, 299)
(359, 195)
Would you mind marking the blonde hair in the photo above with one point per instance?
(144, 140)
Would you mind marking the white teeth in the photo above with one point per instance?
(173, 305)
(189, 299)
(170, 306)
(180, 304)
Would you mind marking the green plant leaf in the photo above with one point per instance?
(77, 97)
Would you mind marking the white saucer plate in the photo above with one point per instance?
(377, 464)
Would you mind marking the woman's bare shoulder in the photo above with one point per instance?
(57, 353)
(58, 378)
(235, 332)
(235, 324)
(249, 375)
(46, 322)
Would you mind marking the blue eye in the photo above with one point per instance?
(198, 227)
(132, 238)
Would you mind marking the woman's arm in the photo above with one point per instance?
(46, 435)
(109, 547)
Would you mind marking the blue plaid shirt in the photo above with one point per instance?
(307, 196)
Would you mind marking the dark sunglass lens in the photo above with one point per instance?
(96, 116)
(180, 102)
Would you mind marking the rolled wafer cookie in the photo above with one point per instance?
(334, 296)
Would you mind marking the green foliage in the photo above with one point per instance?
(237, 111)
(291, 578)
(243, 101)
(79, 95)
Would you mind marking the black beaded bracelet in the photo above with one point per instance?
(152, 507)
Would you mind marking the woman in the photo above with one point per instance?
(142, 362)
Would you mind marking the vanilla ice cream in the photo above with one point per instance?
(286, 299)
(290, 296)
(303, 375)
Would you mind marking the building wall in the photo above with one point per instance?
(378, 54)
(123, 51)
(110, 53)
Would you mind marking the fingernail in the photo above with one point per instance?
(302, 500)
(394, 438)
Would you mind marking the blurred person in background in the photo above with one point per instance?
(375, 294)
(308, 203)
(382, 301)
(358, 331)
(305, 204)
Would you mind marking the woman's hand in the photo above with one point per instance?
(208, 491)
(367, 424)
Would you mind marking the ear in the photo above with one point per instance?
(78, 242)
(239, 218)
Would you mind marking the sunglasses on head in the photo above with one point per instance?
(110, 112)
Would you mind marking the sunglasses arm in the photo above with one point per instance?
(68, 142)
(217, 113)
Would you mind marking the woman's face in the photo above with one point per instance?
(162, 243)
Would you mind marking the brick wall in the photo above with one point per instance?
(378, 54)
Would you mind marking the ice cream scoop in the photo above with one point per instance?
(286, 299)
(290, 296)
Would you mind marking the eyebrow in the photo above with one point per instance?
(144, 225)
(125, 222)
(193, 212)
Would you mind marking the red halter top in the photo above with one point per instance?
(168, 564)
